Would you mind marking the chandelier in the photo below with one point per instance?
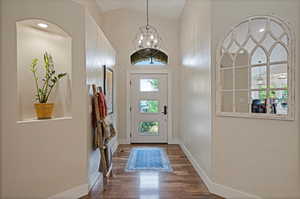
(147, 36)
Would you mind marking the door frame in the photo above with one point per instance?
(128, 99)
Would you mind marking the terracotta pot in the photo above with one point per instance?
(44, 111)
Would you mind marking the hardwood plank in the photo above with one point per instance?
(182, 183)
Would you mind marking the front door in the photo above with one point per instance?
(149, 108)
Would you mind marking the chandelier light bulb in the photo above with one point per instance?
(43, 25)
(148, 36)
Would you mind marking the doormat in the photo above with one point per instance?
(148, 159)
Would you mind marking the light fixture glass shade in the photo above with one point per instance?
(147, 37)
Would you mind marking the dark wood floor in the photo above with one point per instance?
(182, 183)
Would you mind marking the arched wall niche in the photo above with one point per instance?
(34, 38)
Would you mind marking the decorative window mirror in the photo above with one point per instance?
(255, 70)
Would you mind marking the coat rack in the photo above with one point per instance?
(100, 139)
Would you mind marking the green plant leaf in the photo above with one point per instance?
(61, 75)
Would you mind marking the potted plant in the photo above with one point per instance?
(45, 86)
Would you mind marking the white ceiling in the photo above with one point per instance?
(164, 8)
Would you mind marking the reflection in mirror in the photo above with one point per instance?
(278, 76)
(241, 102)
(258, 77)
(233, 48)
(227, 79)
(242, 33)
(227, 41)
(227, 102)
(279, 102)
(259, 101)
(276, 29)
(226, 61)
(242, 58)
(241, 78)
(285, 39)
(278, 54)
(258, 28)
(259, 57)
(250, 45)
(268, 42)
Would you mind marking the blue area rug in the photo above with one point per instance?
(148, 159)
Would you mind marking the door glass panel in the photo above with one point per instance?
(149, 128)
(279, 102)
(258, 101)
(149, 106)
(149, 85)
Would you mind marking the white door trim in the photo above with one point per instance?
(128, 103)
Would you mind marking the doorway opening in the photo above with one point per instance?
(149, 108)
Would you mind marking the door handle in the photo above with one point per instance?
(165, 112)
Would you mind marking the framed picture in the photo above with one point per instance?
(108, 87)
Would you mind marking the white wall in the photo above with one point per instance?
(241, 157)
(42, 158)
(121, 27)
(33, 43)
(99, 52)
(195, 112)
(260, 157)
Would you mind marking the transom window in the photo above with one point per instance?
(255, 70)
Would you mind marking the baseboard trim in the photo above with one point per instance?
(74, 193)
(95, 178)
(124, 141)
(215, 188)
(84, 189)
(174, 141)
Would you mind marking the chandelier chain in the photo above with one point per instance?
(147, 13)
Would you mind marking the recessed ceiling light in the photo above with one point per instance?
(43, 25)
(261, 30)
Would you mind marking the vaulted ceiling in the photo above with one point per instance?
(164, 8)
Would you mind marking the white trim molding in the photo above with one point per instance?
(74, 193)
(213, 187)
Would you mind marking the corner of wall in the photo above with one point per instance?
(213, 187)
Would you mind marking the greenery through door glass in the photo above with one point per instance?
(149, 128)
(149, 85)
(149, 106)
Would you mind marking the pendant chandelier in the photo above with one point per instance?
(147, 36)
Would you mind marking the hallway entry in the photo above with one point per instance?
(149, 108)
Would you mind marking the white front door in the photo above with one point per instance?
(149, 108)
